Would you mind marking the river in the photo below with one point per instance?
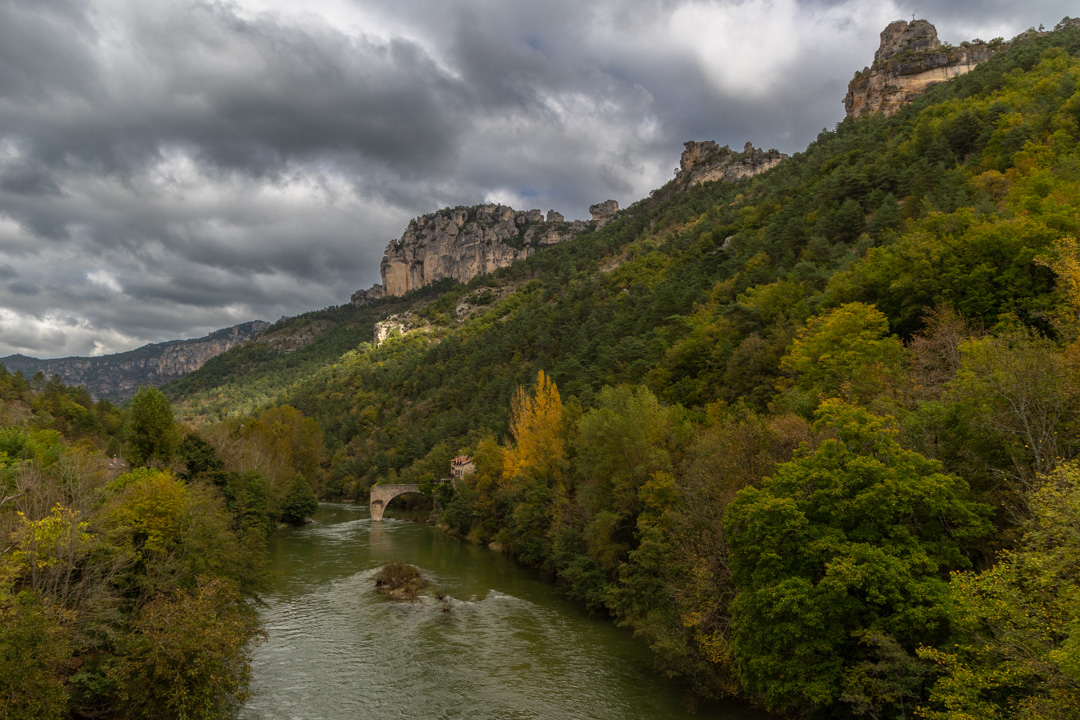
(506, 647)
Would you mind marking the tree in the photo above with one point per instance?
(200, 460)
(739, 450)
(1016, 652)
(187, 657)
(150, 430)
(846, 353)
(621, 444)
(1064, 259)
(1018, 388)
(300, 502)
(34, 649)
(840, 550)
(279, 444)
(536, 423)
(296, 439)
(533, 468)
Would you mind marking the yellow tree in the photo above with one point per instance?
(539, 449)
(1064, 259)
(533, 470)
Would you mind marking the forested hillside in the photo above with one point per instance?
(813, 434)
(133, 551)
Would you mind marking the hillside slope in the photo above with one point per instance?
(694, 291)
(783, 427)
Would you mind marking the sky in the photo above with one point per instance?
(168, 168)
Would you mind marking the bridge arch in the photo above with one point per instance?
(381, 495)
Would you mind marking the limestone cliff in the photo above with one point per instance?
(603, 212)
(706, 162)
(461, 243)
(909, 60)
(117, 377)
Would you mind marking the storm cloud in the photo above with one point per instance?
(169, 168)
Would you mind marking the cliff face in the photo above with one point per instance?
(706, 162)
(461, 243)
(117, 377)
(909, 60)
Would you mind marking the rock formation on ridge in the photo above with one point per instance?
(706, 162)
(909, 60)
(602, 212)
(461, 243)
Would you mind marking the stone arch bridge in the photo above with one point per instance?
(381, 495)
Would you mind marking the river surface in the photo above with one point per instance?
(505, 647)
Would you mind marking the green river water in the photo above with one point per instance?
(509, 647)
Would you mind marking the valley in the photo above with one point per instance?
(792, 436)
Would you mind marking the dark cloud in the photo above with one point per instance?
(170, 168)
(23, 288)
(28, 180)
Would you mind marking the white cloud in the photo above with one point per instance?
(105, 279)
(751, 48)
(58, 334)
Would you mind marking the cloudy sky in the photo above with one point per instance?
(168, 168)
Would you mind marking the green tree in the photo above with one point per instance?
(1016, 653)
(34, 648)
(200, 460)
(621, 444)
(187, 657)
(1018, 389)
(839, 548)
(300, 502)
(150, 430)
(845, 353)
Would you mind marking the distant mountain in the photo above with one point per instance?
(117, 377)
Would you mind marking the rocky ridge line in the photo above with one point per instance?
(118, 376)
(709, 162)
(463, 242)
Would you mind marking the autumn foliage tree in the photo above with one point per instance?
(533, 468)
(536, 424)
(844, 353)
(1016, 648)
(278, 444)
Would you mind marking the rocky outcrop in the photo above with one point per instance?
(365, 297)
(117, 377)
(402, 324)
(461, 243)
(708, 162)
(603, 212)
(910, 60)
